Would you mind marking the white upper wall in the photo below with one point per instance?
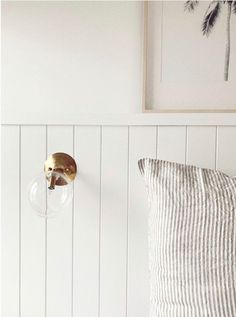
(71, 57)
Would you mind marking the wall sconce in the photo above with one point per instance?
(51, 192)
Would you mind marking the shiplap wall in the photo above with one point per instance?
(93, 259)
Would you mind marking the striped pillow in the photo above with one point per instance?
(192, 240)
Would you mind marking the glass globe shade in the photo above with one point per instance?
(47, 202)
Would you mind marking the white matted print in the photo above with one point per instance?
(190, 56)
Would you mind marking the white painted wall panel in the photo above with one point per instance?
(59, 237)
(113, 230)
(171, 143)
(226, 150)
(201, 146)
(10, 219)
(91, 260)
(142, 143)
(86, 222)
(32, 232)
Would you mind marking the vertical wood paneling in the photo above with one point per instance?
(10, 221)
(113, 238)
(171, 143)
(86, 222)
(226, 150)
(142, 143)
(91, 260)
(201, 146)
(33, 148)
(59, 238)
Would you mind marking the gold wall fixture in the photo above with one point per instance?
(60, 169)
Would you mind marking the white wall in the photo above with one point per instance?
(71, 57)
(92, 260)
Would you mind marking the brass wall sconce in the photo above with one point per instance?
(52, 191)
(61, 165)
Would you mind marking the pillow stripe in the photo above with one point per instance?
(192, 240)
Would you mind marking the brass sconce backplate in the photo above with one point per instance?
(63, 164)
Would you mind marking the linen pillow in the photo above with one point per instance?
(192, 240)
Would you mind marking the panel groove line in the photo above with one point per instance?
(127, 225)
(72, 233)
(157, 133)
(20, 220)
(216, 147)
(100, 222)
(46, 238)
(186, 145)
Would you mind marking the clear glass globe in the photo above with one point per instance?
(49, 202)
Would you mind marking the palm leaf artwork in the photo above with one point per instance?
(234, 6)
(211, 15)
(210, 19)
(190, 5)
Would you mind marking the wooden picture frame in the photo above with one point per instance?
(154, 108)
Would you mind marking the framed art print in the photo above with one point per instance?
(189, 56)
